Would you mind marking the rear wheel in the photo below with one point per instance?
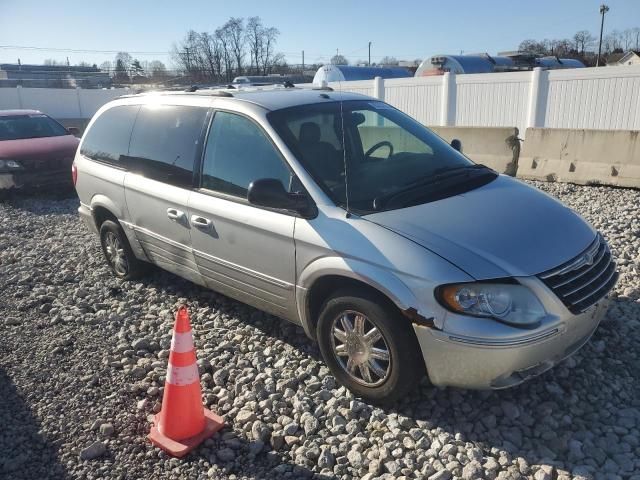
(369, 347)
(118, 253)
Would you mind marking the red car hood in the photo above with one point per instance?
(63, 146)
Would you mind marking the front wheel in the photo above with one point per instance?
(369, 347)
(118, 253)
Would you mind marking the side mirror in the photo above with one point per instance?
(456, 144)
(74, 131)
(269, 192)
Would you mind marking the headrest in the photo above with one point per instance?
(309, 133)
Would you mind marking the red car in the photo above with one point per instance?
(35, 151)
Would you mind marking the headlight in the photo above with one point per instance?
(513, 304)
(9, 165)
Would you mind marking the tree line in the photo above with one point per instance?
(239, 47)
(584, 44)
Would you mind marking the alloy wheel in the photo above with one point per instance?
(116, 254)
(360, 348)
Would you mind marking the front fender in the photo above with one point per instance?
(383, 280)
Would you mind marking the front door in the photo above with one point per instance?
(164, 144)
(243, 251)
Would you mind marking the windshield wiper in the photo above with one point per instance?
(436, 176)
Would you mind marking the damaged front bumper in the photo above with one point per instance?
(482, 363)
(24, 179)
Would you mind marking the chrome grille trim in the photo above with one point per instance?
(575, 277)
(574, 264)
(584, 280)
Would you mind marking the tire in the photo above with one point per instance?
(117, 252)
(405, 366)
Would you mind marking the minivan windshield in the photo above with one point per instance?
(20, 127)
(391, 160)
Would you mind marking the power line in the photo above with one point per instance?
(78, 50)
(142, 52)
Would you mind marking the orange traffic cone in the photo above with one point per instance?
(183, 423)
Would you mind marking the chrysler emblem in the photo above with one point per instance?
(587, 258)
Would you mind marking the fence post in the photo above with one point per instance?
(19, 94)
(79, 103)
(537, 98)
(448, 101)
(378, 88)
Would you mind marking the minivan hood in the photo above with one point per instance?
(504, 228)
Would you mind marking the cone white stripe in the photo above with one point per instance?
(181, 376)
(182, 342)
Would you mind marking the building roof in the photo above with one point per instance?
(624, 57)
(345, 73)
(13, 67)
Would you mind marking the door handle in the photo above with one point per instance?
(174, 213)
(200, 222)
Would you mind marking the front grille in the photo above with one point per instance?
(33, 166)
(584, 280)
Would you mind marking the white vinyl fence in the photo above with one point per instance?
(606, 98)
(59, 103)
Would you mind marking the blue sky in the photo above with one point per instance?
(402, 28)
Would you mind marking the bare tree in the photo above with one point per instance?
(612, 43)
(236, 41)
(221, 55)
(106, 66)
(255, 33)
(533, 46)
(122, 67)
(339, 60)
(157, 70)
(636, 37)
(391, 61)
(583, 39)
(209, 50)
(628, 39)
(268, 56)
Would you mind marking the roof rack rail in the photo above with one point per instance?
(326, 88)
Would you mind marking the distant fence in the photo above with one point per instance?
(605, 98)
(60, 103)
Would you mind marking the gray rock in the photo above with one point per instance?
(93, 451)
(106, 429)
(441, 475)
(245, 416)
(326, 459)
(355, 459)
(226, 454)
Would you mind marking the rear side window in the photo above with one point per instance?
(165, 141)
(108, 138)
(239, 152)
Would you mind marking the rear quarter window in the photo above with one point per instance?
(165, 142)
(108, 138)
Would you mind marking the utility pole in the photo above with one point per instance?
(369, 53)
(303, 62)
(603, 9)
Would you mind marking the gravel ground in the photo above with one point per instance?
(82, 359)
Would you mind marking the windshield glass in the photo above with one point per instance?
(392, 160)
(18, 127)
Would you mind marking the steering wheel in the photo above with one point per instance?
(384, 143)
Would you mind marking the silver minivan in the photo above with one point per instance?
(340, 213)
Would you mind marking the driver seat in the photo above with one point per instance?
(321, 156)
